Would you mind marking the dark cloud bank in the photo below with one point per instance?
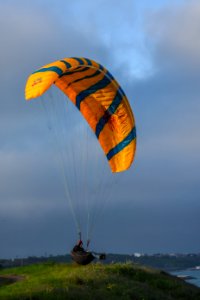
(155, 207)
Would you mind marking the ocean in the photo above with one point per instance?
(194, 274)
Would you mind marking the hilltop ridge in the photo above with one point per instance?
(96, 281)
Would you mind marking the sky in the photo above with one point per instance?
(153, 50)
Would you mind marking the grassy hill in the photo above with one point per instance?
(95, 282)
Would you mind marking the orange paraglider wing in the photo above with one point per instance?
(99, 98)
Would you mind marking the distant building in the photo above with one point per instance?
(137, 254)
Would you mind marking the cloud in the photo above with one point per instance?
(175, 32)
(158, 68)
(166, 102)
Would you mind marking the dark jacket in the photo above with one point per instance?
(78, 248)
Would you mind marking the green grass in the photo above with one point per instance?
(95, 282)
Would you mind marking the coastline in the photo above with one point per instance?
(190, 275)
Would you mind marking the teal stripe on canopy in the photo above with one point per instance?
(108, 113)
(92, 89)
(83, 78)
(88, 61)
(119, 147)
(81, 62)
(76, 70)
(68, 65)
(53, 69)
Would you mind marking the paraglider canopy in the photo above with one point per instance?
(99, 98)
